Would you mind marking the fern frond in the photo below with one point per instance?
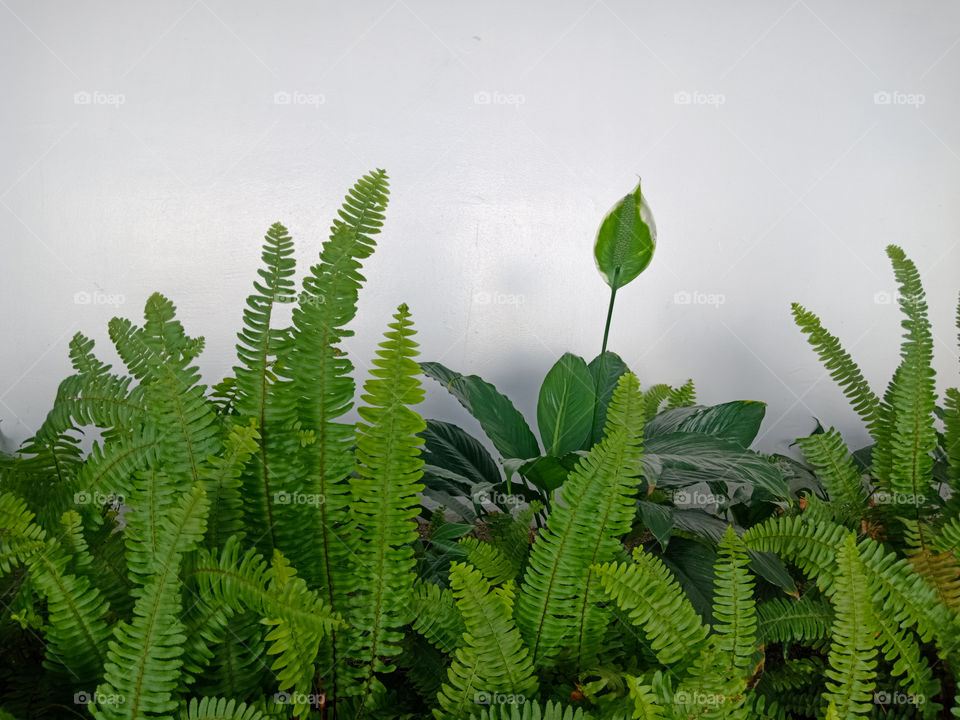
(258, 348)
(385, 505)
(436, 616)
(734, 608)
(213, 708)
(493, 660)
(806, 620)
(828, 453)
(942, 571)
(533, 711)
(489, 560)
(656, 604)
(812, 546)
(853, 650)
(902, 650)
(653, 398)
(159, 355)
(144, 656)
(221, 479)
(840, 365)
(682, 396)
(910, 437)
(316, 390)
(558, 602)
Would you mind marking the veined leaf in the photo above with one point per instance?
(566, 405)
(626, 240)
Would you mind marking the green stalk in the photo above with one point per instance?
(603, 352)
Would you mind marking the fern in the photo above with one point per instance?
(838, 362)
(211, 708)
(829, 455)
(557, 604)
(144, 654)
(384, 505)
(656, 604)
(734, 608)
(853, 650)
(493, 661)
(785, 620)
(436, 617)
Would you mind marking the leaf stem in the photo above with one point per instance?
(603, 354)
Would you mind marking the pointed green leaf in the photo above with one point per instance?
(626, 240)
(565, 407)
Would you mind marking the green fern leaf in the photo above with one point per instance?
(558, 602)
(493, 661)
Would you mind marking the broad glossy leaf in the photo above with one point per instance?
(449, 446)
(626, 240)
(738, 421)
(679, 459)
(766, 565)
(565, 407)
(546, 472)
(500, 420)
(658, 519)
(605, 370)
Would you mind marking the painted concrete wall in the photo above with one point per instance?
(782, 145)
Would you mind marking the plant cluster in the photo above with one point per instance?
(241, 551)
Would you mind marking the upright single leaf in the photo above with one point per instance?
(626, 240)
(566, 404)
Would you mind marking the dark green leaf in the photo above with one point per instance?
(658, 519)
(737, 421)
(448, 446)
(605, 370)
(565, 407)
(626, 240)
(680, 459)
(500, 420)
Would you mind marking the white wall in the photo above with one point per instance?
(788, 190)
